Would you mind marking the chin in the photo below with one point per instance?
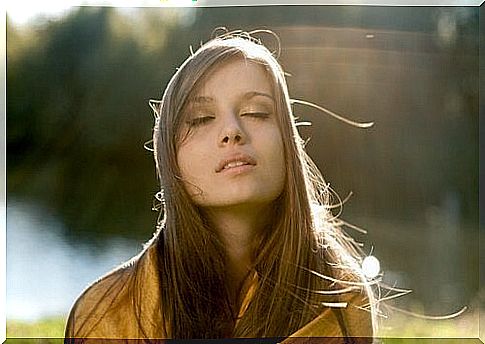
(241, 199)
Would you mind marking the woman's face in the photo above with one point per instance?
(231, 151)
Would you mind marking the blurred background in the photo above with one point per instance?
(80, 185)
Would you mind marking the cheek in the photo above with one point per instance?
(186, 165)
(185, 160)
(192, 159)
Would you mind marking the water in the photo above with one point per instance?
(45, 274)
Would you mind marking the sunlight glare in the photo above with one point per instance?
(22, 11)
(371, 267)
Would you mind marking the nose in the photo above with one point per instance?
(232, 133)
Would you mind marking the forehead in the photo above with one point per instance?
(235, 78)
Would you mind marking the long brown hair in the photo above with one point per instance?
(303, 250)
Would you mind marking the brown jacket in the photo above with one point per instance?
(105, 310)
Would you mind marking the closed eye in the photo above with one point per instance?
(198, 121)
(259, 115)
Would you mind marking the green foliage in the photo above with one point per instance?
(78, 118)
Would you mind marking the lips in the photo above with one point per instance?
(233, 161)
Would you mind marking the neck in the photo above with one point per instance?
(239, 228)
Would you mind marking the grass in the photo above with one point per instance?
(465, 325)
(408, 330)
(46, 327)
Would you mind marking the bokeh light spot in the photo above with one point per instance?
(371, 266)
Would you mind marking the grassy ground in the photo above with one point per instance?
(410, 330)
(45, 327)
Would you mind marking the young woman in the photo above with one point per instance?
(247, 245)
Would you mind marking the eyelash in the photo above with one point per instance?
(199, 121)
(257, 115)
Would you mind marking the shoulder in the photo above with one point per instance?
(93, 307)
(358, 315)
(349, 317)
(107, 308)
(358, 309)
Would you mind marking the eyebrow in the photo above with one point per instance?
(202, 99)
(253, 94)
(246, 96)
